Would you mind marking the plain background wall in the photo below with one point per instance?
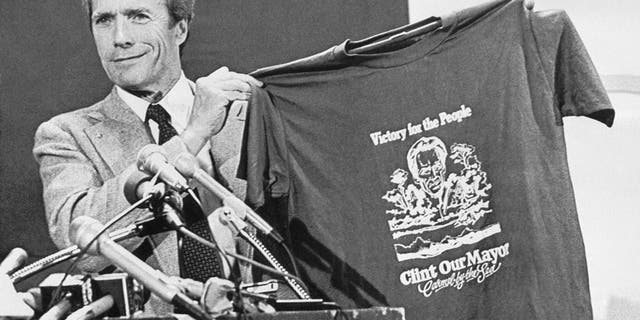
(603, 162)
(48, 65)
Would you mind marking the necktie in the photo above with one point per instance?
(197, 261)
(160, 116)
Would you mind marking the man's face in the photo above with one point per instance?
(138, 43)
(431, 170)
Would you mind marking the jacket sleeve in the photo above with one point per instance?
(74, 186)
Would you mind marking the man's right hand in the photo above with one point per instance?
(214, 94)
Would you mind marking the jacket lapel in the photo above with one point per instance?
(118, 133)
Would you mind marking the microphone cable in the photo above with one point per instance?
(190, 234)
(291, 258)
(214, 245)
(56, 294)
(195, 198)
(193, 195)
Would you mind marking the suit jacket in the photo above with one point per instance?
(86, 156)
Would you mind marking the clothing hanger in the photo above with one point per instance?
(443, 22)
(398, 37)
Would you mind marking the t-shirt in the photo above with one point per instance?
(431, 174)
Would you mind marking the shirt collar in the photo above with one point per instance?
(178, 103)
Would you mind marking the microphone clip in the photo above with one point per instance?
(168, 208)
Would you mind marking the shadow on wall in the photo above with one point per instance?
(620, 308)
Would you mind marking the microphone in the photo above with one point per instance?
(93, 309)
(58, 311)
(152, 159)
(145, 226)
(139, 186)
(187, 165)
(83, 229)
(13, 261)
(167, 212)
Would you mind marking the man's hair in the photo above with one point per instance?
(178, 9)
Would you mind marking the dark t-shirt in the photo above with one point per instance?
(432, 174)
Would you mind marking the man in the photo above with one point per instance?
(86, 156)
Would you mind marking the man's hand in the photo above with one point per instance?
(214, 94)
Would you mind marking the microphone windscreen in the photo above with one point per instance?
(59, 310)
(132, 187)
(146, 152)
(153, 160)
(82, 230)
(93, 310)
(186, 164)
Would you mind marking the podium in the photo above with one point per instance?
(376, 313)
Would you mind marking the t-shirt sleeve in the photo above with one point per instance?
(263, 153)
(578, 90)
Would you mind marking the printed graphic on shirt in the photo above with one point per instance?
(473, 266)
(439, 204)
(444, 118)
(437, 207)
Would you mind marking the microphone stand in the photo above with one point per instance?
(85, 229)
(166, 210)
(141, 228)
(238, 226)
(146, 226)
(167, 214)
(187, 165)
